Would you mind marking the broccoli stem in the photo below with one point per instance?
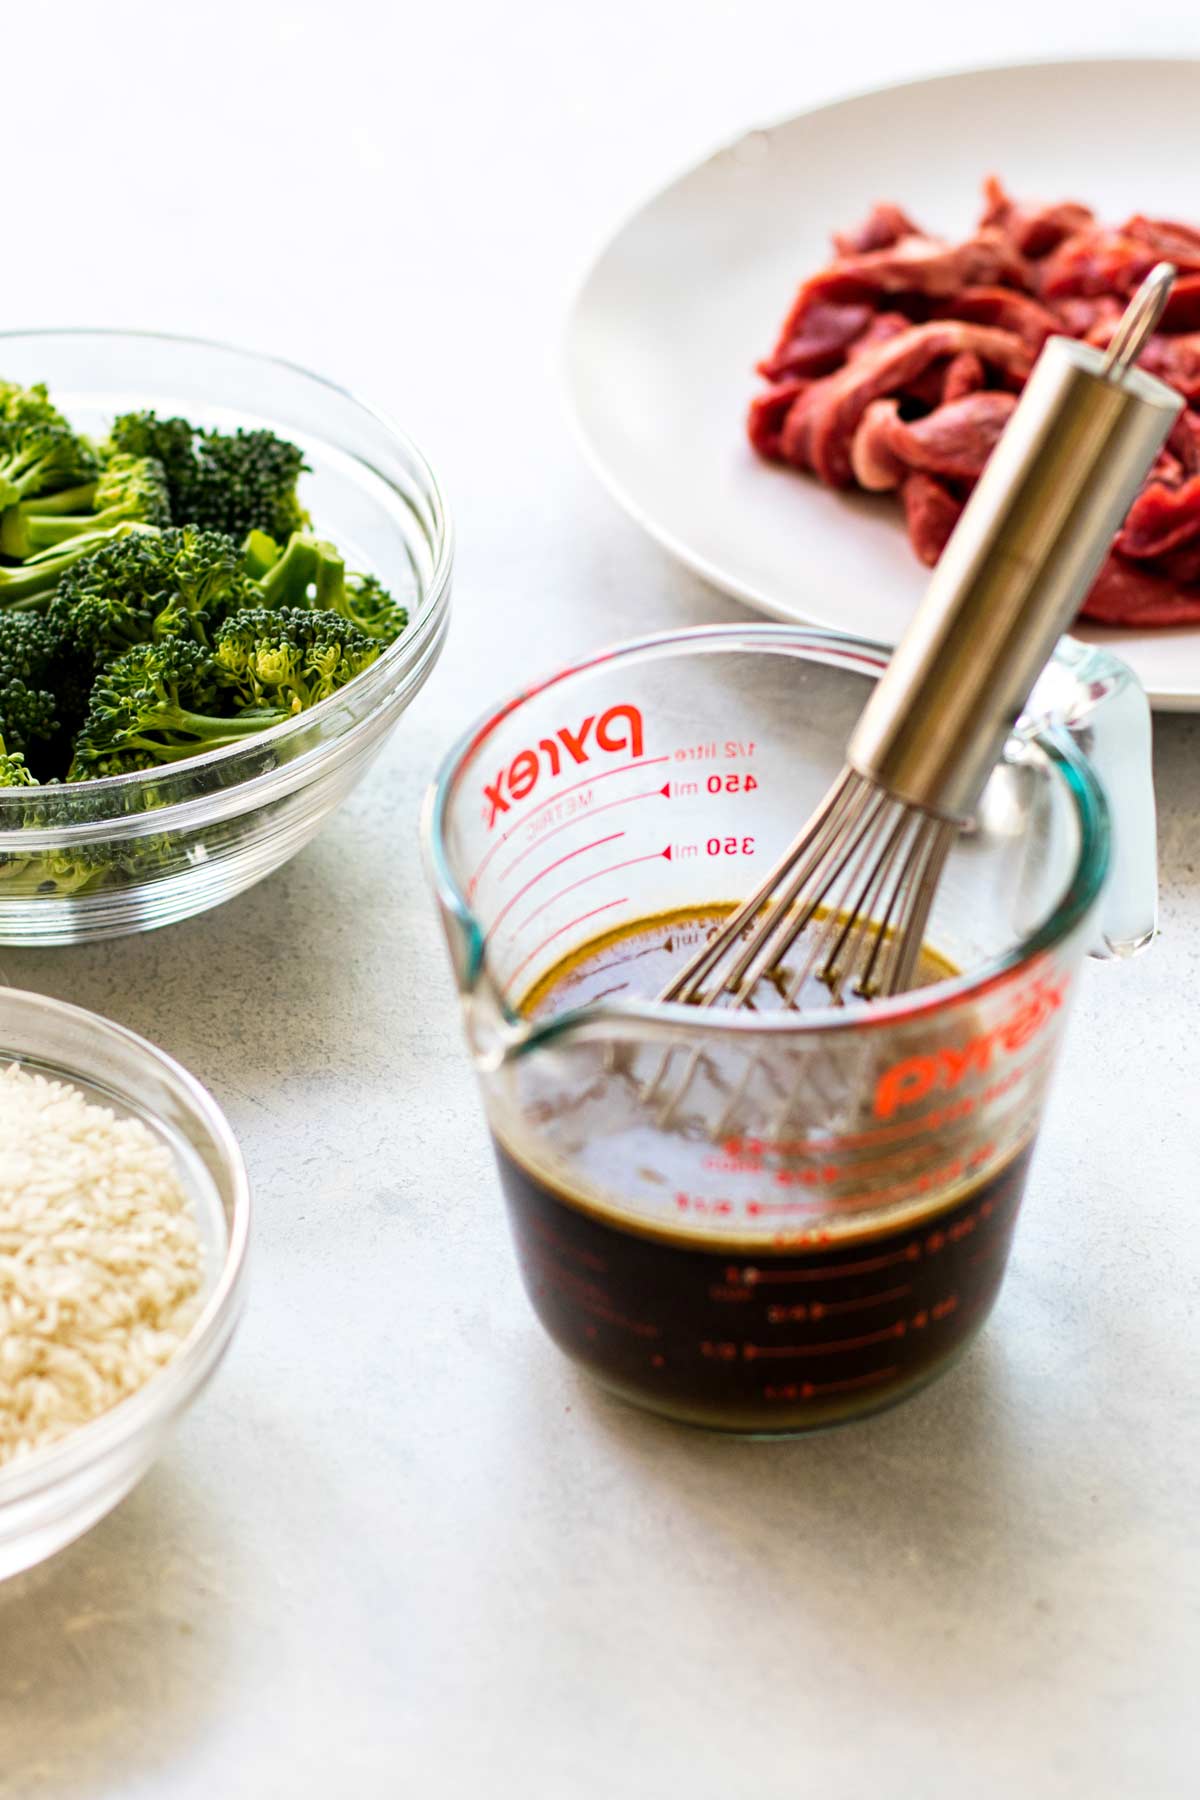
(34, 584)
(24, 535)
(67, 500)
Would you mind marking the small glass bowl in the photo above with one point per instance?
(104, 858)
(53, 1495)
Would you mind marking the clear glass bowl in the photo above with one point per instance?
(135, 851)
(55, 1494)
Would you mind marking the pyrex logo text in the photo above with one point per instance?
(911, 1080)
(619, 728)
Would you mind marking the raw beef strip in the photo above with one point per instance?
(932, 513)
(914, 265)
(874, 462)
(1177, 243)
(1184, 441)
(964, 373)
(1161, 519)
(954, 442)
(1094, 262)
(1081, 316)
(826, 332)
(883, 326)
(1125, 594)
(1176, 360)
(1032, 230)
(883, 226)
(1011, 311)
(819, 429)
(767, 414)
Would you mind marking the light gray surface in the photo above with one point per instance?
(399, 1548)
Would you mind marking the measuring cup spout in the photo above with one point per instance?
(1097, 700)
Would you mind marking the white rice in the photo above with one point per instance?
(100, 1259)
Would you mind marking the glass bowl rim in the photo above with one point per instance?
(391, 668)
(669, 1021)
(172, 1387)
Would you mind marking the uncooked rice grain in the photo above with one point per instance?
(100, 1259)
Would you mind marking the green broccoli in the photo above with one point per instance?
(236, 482)
(311, 572)
(42, 458)
(289, 657)
(130, 487)
(147, 586)
(13, 772)
(158, 703)
(32, 584)
(24, 406)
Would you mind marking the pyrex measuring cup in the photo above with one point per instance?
(764, 1221)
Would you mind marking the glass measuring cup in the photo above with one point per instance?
(765, 1221)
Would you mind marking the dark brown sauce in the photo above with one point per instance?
(750, 1340)
(738, 1334)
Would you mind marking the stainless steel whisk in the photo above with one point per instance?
(855, 888)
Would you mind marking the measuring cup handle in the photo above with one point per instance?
(1099, 701)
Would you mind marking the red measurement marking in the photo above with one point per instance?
(808, 1390)
(754, 1277)
(548, 870)
(569, 926)
(626, 800)
(820, 1309)
(612, 869)
(831, 1347)
(933, 1120)
(644, 762)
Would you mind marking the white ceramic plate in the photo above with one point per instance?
(664, 334)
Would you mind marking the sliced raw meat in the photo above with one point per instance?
(931, 512)
(1182, 311)
(900, 363)
(1161, 519)
(1184, 441)
(883, 326)
(1175, 360)
(874, 462)
(964, 373)
(956, 440)
(1124, 594)
(826, 332)
(818, 430)
(883, 226)
(1168, 239)
(1081, 316)
(1094, 261)
(953, 442)
(915, 265)
(767, 414)
(1011, 311)
(1032, 230)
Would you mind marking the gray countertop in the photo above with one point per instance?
(400, 1547)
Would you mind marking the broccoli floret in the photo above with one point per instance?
(28, 405)
(290, 658)
(368, 605)
(310, 572)
(42, 458)
(32, 585)
(150, 585)
(236, 482)
(131, 487)
(13, 772)
(157, 704)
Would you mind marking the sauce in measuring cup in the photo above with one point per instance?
(698, 1321)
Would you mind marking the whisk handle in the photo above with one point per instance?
(1027, 548)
